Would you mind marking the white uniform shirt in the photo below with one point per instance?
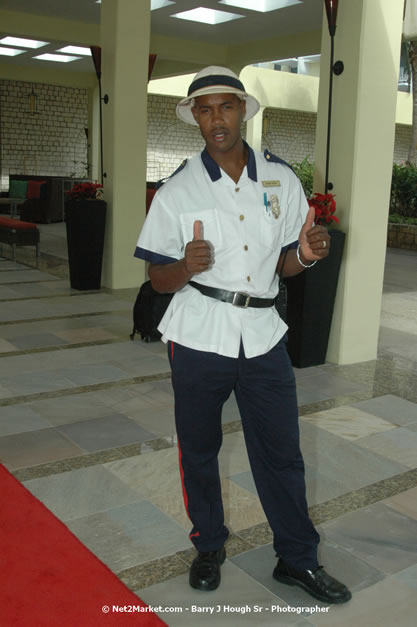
(247, 239)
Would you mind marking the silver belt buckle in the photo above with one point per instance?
(247, 300)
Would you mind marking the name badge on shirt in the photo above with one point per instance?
(271, 183)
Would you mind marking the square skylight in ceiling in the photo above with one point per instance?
(60, 58)
(76, 50)
(24, 43)
(262, 6)
(10, 52)
(207, 16)
(159, 4)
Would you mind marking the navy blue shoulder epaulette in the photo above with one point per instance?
(274, 159)
(164, 180)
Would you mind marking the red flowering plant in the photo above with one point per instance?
(85, 191)
(324, 206)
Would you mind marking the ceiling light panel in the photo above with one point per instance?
(76, 50)
(159, 4)
(263, 6)
(60, 58)
(207, 16)
(10, 52)
(24, 43)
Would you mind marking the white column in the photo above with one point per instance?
(254, 129)
(125, 34)
(367, 40)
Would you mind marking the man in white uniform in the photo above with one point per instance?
(215, 235)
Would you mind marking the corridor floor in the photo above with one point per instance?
(86, 423)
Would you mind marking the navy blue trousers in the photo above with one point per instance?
(265, 392)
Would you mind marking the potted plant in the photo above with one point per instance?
(85, 217)
(311, 294)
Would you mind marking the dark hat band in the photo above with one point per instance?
(215, 79)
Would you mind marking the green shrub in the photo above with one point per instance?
(395, 218)
(304, 170)
(403, 200)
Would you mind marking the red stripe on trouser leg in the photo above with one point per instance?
(184, 491)
(172, 350)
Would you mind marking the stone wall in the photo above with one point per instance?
(402, 142)
(402, 236)
(51, 142)
(290, 135)
(170, 141)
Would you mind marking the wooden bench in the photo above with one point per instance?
(18, 233)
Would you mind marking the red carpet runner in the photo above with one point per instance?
(50, 579)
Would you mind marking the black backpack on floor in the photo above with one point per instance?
(148, 311)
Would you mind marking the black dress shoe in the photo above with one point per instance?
(205, 570)
(316, 582)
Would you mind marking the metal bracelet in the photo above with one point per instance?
(310, 265)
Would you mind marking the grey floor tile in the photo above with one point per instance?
(7, 264)
(5, 392)
(408, 577)
(39, 340)
(354, 573)
(20, 418)
(350, 423)
(230, 410)
(35, 447)
(6, 347)
(157, 393)
(106, 432)
(91, 374)
(377, 534)
(140, 366)
(71, 408)
(78, 493)
(302, 373)
(404, 502)
(37, 382)
(307, 395)
(348, 463)
(38, 290)
(20, 275)
(160, 421)
(322, 386)
(221, 607)
(321, 487)
(59, 306)
(142, 531)
(388, 603)
(245, 480)
(397, 341)
(391, 408)
(399, 445)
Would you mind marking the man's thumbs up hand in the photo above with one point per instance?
(198, 253)
(198, 230)
(314, 240)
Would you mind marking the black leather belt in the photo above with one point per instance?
(238, 299)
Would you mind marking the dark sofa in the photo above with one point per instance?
(48, 206)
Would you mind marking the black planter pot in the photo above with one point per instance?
(311, 297)
(85, 221)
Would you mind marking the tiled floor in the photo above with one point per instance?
(86, 423)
